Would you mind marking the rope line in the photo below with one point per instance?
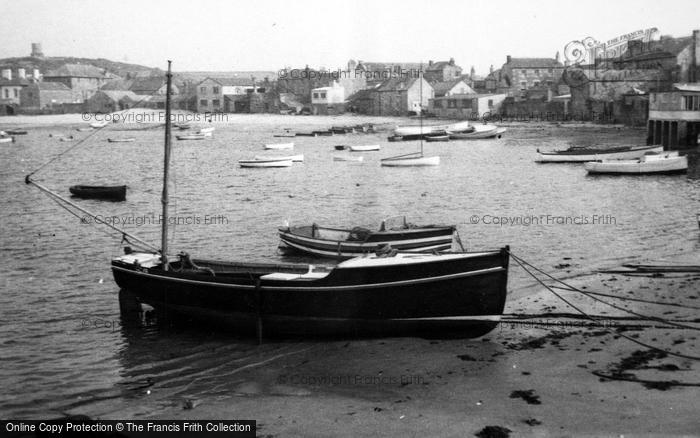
(629, 338)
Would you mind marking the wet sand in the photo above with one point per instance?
(528, 378)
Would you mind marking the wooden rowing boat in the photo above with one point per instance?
(111, 193)
(579, 155)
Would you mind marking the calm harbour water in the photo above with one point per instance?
(65, 344)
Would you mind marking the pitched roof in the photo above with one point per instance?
(687, 87)
(77, 71)
(438, 66)
(396, 84)
(53, 86)
(234, 82)
(441, 88)
(146, 85)
(119, 94)
(534, 63)
(14, 81)
(117, 84)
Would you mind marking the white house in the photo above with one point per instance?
(328, 100)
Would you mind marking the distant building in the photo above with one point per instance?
(226, 94)
(328, 100)
(109, 101)
(454, 86)
(518, 75)
(466, 106)
(36, 51)
(402, 97)
(674, 117)
(82, 78)
(442, 71)
(10, 90)
(47, 95)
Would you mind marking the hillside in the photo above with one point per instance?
(121, 69)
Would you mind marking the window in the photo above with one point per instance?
(537, 71)
(524, 72)
(215, 102)
(203, 102)
(466, 103)
(452, 103)
(536, 83)
(203, 90)
(323, 95)
(490, 103)
(215, 90)
(437, 104)
(691, 103)
(7, 93)
(523, 85)
(16, 92)
(315, 95)
(550, 70)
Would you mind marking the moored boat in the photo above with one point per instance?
(410, 160)
(296, 158)
(192, 136)
(88, 129)
(432, 138)
(479, 132)
(16, 132)
(578, 155)
(279, 146)
(364, 148)
(112, 193)
(206, 130)
(122, 140)
(346, 158)
(6, 139)
(418, 131)
(343, 243)
(273, 162)
(648, 164)
(98, 125)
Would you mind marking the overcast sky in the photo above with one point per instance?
(268, 35)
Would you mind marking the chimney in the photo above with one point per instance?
(430, 63)
(491, 68)
(694, 56)
(36, 75)
(7, 73)
(508, 59)
(21, 73)
(452, 61)
(556, 57)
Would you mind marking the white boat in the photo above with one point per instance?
(587, 154)
(346, 158)
(265, 163)
(296, 158)
(192, 136)
(407, 131)
(98, 125)
(5, 139)
(411, 160)
(479, 131)
(209, 129)
(280, 146)
(668, 162)
(365, 148)
(122, 140)
(89, 128)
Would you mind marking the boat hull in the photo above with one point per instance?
(602, 155)
(418, 131)
(459, 295)
(639, 167)
(410, 161)
(111, 193)
(366, 148)
(280, 146)
(284, 162)
(479, 132)
(340, 244)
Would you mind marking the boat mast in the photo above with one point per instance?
(166, 166)
(420, 78)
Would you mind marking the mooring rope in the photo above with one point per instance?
(629, 338)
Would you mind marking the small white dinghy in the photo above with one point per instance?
(296, 158)
(411, 160)
(364, 148)
(122, 140)
(668, 162)
(280, 146)
(98, 125)
(346, 158)
(207, 130)
(265, 163)
(5, 139)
